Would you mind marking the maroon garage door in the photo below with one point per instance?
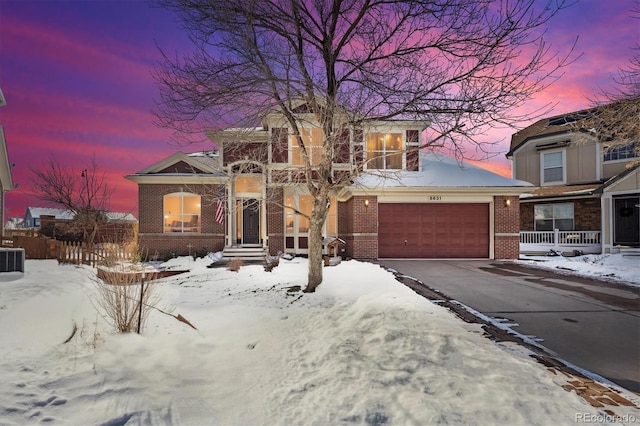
(433, 230)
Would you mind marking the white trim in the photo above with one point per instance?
(599, 162)
(177, 179)
(563, 151)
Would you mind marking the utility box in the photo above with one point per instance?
(11, 259)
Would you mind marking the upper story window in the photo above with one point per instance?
(182, 211)
(622, 152)
(553, 216)
(312, 140)
(552, 164)
(384, 151)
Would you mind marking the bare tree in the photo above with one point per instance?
(461, 65)
(614, 119)
(614, 116)
(85, 193)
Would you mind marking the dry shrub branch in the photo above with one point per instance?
(124, 298)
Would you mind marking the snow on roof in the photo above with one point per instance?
(63, 214)
(50, 211)
(439, 170)
(124, 217)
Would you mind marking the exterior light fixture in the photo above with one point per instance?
(507, 202)
(366, 203)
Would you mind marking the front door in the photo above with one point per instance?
(627, 221)
(251, 221)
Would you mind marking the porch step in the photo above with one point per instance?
(630, 251)
(247, 254)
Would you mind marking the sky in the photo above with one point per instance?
(77, 79)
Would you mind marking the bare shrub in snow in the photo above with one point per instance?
(124, 298)
(235, 264)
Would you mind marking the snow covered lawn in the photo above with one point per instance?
(363, 349)
(624, 269)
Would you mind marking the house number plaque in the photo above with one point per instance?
(435, 198)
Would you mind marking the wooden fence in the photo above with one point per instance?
(68, 252)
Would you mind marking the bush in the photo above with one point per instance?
(235, 264)
(123, 299)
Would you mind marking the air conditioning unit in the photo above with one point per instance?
(11, 260)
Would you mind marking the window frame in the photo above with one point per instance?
(313, 138)
(629, 153)
(294, 222)
(386, 154)
(555, 216)
(563, 167)
(180, 223)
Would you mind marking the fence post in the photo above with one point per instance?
(556, 239)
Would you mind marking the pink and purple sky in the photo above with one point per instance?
(77, 79)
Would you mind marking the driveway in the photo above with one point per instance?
(592, 324)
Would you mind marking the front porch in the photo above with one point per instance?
(542, 242)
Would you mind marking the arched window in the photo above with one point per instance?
(182, 212)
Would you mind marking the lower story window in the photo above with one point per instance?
(297, 225)
(182, 212)
(554, 216)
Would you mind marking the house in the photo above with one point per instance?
(118, 227)
(32, 216)
(588, 197)
(6, 181)
(398, 205)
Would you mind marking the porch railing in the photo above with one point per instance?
(543, 241)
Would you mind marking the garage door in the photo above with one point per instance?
(433, 230)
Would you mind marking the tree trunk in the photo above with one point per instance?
(316, 223)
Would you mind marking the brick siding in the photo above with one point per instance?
(506, 227)
(153, 240)
(275, 220)
(355, 221)
(586, 214)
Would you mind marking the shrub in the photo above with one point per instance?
(124, 300)
(235, 264)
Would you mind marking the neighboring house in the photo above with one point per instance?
(588, 198)
(425, 208)
(32, 216)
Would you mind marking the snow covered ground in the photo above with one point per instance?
(624, 269)
(363, 349)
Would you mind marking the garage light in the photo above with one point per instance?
(366, 203)
(507, 202)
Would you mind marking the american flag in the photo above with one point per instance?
(220, 206)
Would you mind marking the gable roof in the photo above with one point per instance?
(181, 168)
(201, 163)
(441, 171)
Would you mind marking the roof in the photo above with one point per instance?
(64, 214)
(559, 124)
(207, 162)
(588, 189)
(120, 217)
(564, 190)
(441, 171)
